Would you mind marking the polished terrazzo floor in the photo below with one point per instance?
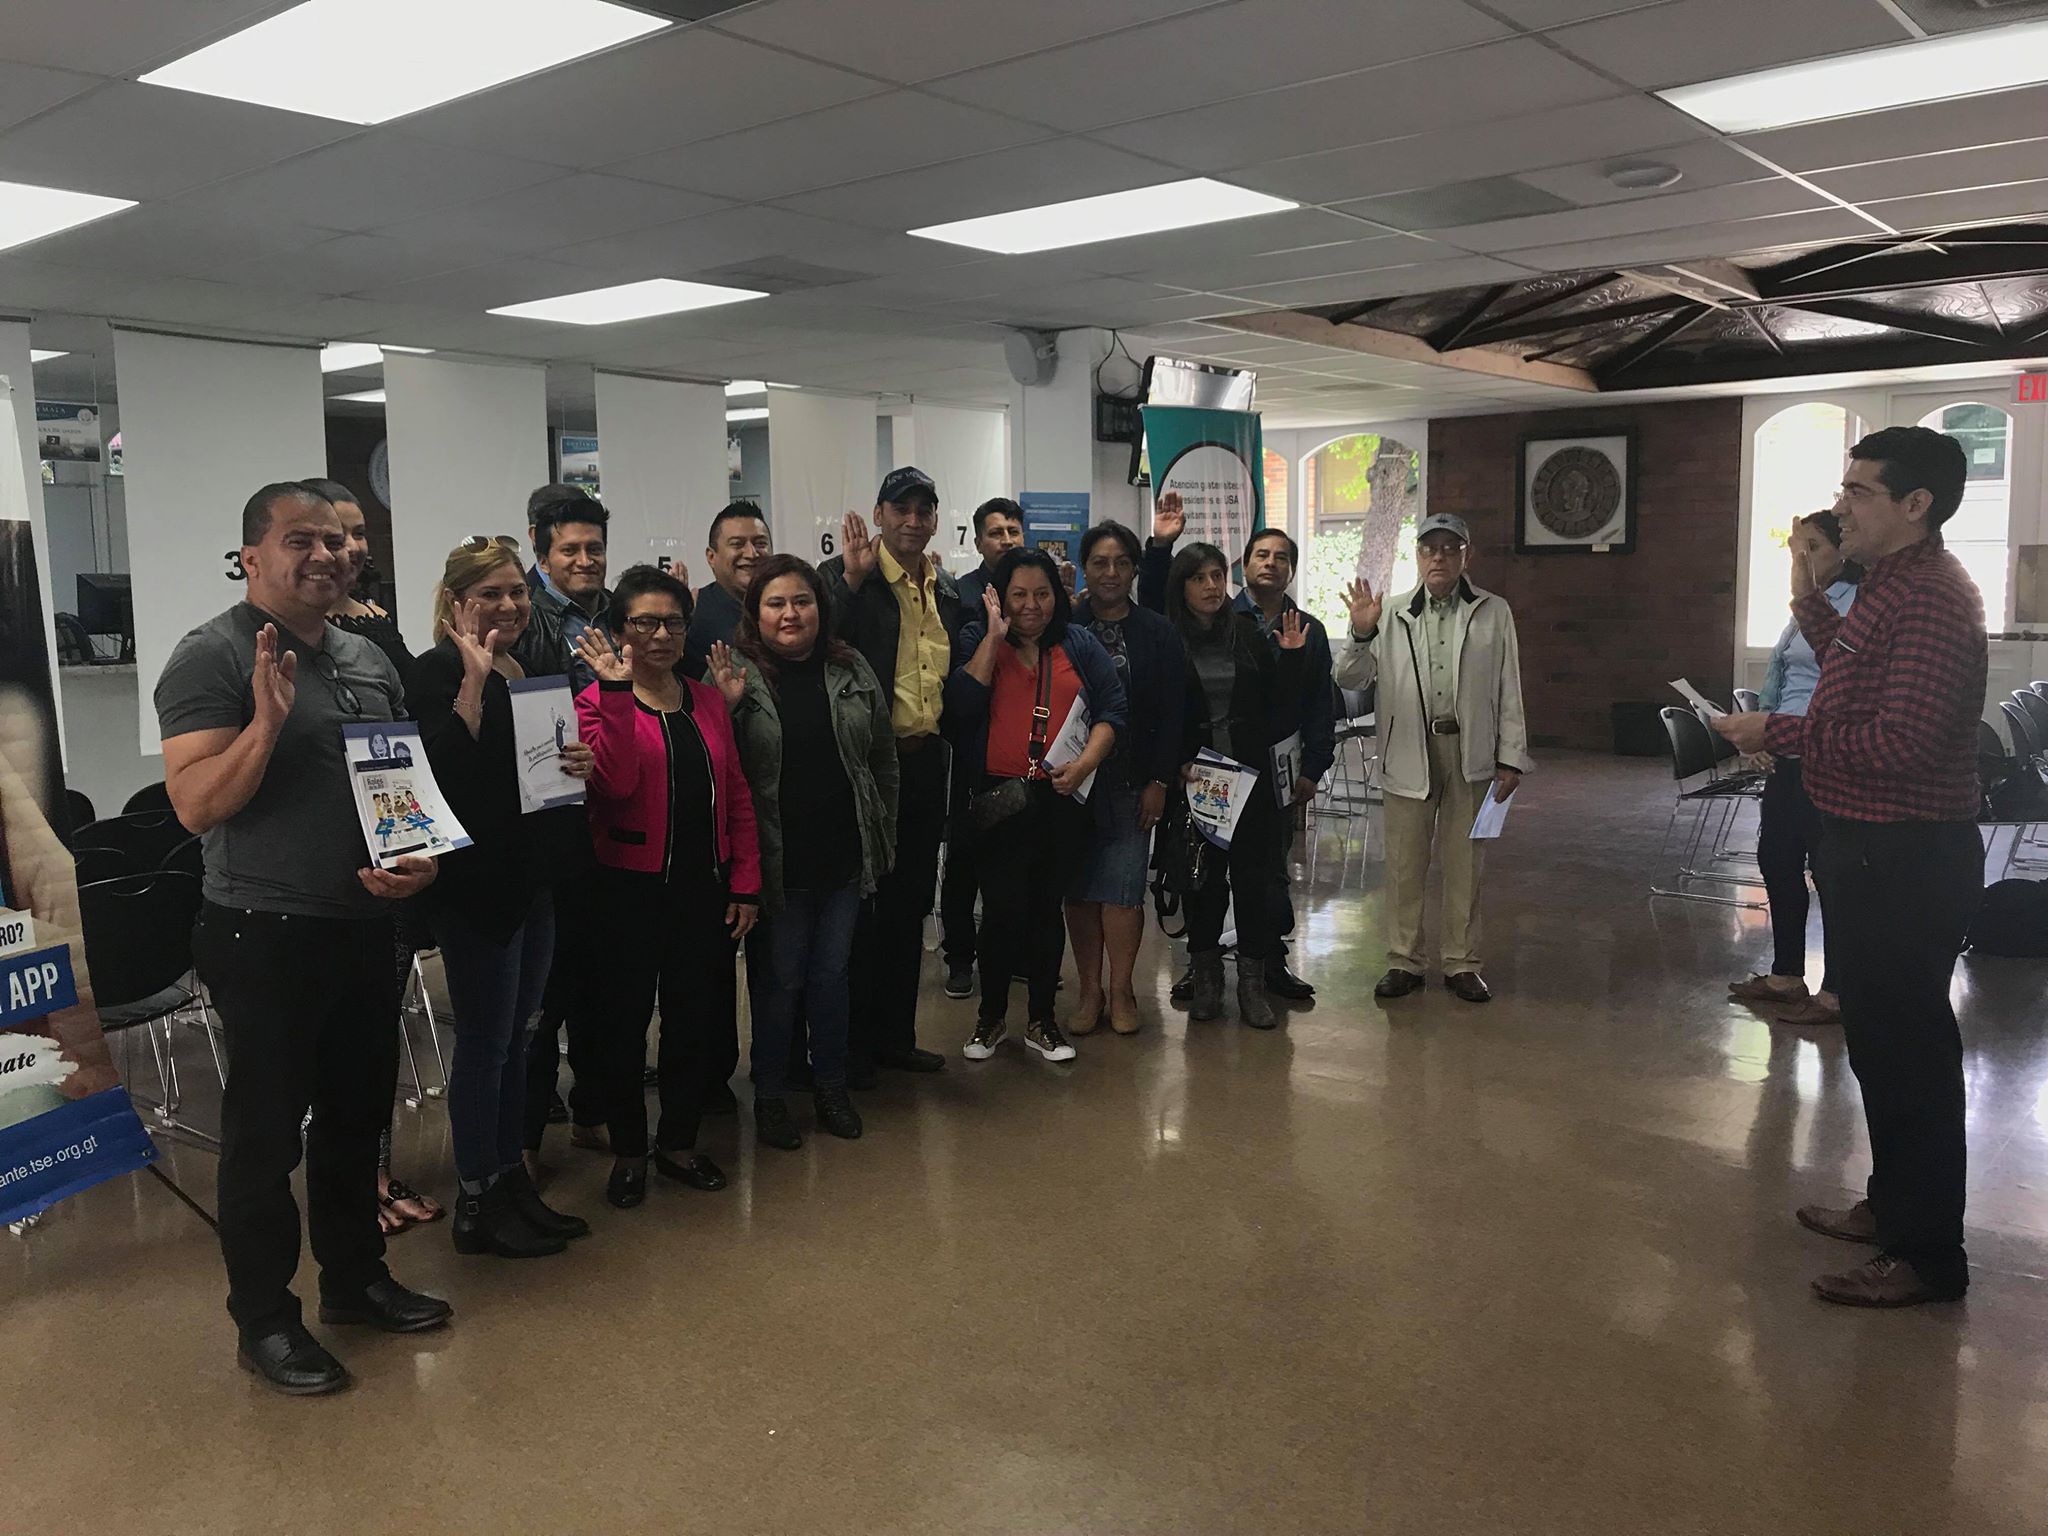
(1525, 1268)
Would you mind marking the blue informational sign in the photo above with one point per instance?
(1054, 522)
(68, 1148)
(32, 985)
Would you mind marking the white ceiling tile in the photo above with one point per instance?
(1997, 118)
(1289, 230)
(666, 89)
(351, 263)
(1671, 210)
(375, 179)
(1683, 244)
(1953, 171)
(920, 39)
(195, 301)
(1707, 163)
(1234, 273)
(488, 286)
(143, 141)
(1217, 54)
(894, 132)
(1495, 81)
(1694, 40)
(26, 89)
(573, 209)
(1618, 126)
(119, 39)
(1557, 13)
(737, 236)
(2019, 201)
(29, 285)
(1052, 171)
(1394, 280)
(158, 240)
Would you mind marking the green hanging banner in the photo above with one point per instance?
(1214, 460)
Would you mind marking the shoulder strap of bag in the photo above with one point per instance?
(1041, 714)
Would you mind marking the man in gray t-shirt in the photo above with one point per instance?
(295, 940)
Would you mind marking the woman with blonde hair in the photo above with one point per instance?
(490, 908)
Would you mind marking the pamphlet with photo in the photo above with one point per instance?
(543, 723)
(397, 800)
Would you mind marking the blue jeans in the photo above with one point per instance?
(809, 942)
(495, 990)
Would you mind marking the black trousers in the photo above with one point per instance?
(310, 1010)
(1243, 880)
(1788, 841)
(1900, 899)
(888, 946)
(1027, 865)
(1281, 891)
(570, 1002)
(959, 887)
(667, 941)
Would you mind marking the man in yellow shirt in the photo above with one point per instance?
(894, 604)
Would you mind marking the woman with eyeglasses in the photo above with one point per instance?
(679, 879)
(1237, 689)
(1106, 902)
(490, 910)
(1021, 671)
(814, 733)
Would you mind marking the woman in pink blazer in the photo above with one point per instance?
(679, 879)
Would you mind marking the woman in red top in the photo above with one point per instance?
(1019, 675)
(679, 878)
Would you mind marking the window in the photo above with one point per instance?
(1796, 469)
(1977, 533)
(1361, 497)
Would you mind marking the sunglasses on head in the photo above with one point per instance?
(485, 541)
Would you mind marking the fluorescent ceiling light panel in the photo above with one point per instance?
(751, 413)
(342, 356)
(29, 213)
(629, 301)
(368, 61)
(364, 397)
(746, 387)
(1112, 216)
(1931, 69)
(43, 357)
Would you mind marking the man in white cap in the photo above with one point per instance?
(1450, 723)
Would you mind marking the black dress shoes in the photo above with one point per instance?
(1397, 983)
(913, 1059)
(692, 1168)
(627, 1187)
(1469, 986)
(290, 1360)
(1281, 982)
(837, 1115)
(772, 1125)
(388, 1306)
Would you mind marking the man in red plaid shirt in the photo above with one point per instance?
(1890, 758)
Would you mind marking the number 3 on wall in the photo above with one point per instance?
(235, 571)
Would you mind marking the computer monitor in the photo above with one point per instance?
(106, 606)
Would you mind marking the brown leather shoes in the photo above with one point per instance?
(1469, 986)
(1886, 1281)
(1397, 983)
(1854, 1225)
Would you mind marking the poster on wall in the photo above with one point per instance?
(576, 460)
(67, 431)
(1214, 460)
(1054, 522)
(66, 1123)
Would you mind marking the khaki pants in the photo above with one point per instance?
(1413, 827)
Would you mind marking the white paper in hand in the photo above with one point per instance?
(1069, 744)
(1217, 788)
(1286, 765)
(543, 722)
(1695, 698)
(397, 800)
(1493, 815)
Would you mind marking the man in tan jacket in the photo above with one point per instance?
(1449, 712)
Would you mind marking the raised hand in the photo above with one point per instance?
(726, 674)
(1802, 566)
(1169, 518)
(1067, 577)
(858, 547)
(1292, 636)
(476, 646)
(1365, 607)
(992, 611)
(597, 654)
(271, 684)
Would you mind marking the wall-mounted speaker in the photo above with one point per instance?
(1032, 355)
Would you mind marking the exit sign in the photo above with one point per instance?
(2032, 387)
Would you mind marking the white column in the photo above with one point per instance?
(821, 465)
(1052, 436)
(18, 372)
(663, 446)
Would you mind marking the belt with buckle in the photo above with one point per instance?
(1444, 727)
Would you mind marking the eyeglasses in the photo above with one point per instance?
(648, 623)
(485, 541)
(330, 673)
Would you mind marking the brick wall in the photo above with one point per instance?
(1600, 629)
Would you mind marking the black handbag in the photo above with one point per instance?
(991, 807)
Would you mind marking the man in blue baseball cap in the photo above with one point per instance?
(1449, 710)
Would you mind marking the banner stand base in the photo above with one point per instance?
(175, 1188)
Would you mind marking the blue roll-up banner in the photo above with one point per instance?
(1054, 522)
(1215, 460)
(65, 1121)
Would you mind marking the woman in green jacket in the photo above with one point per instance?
(820, 757)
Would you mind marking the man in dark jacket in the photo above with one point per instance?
(567, 527)
(739, 541)
(894, 604)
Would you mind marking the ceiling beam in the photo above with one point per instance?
(1451, 333)
(1293, 325)
(1351, 312)
(1647, 344)
(1709, 280)
(1551, 325)
(1934, 327)
(1967, 256)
